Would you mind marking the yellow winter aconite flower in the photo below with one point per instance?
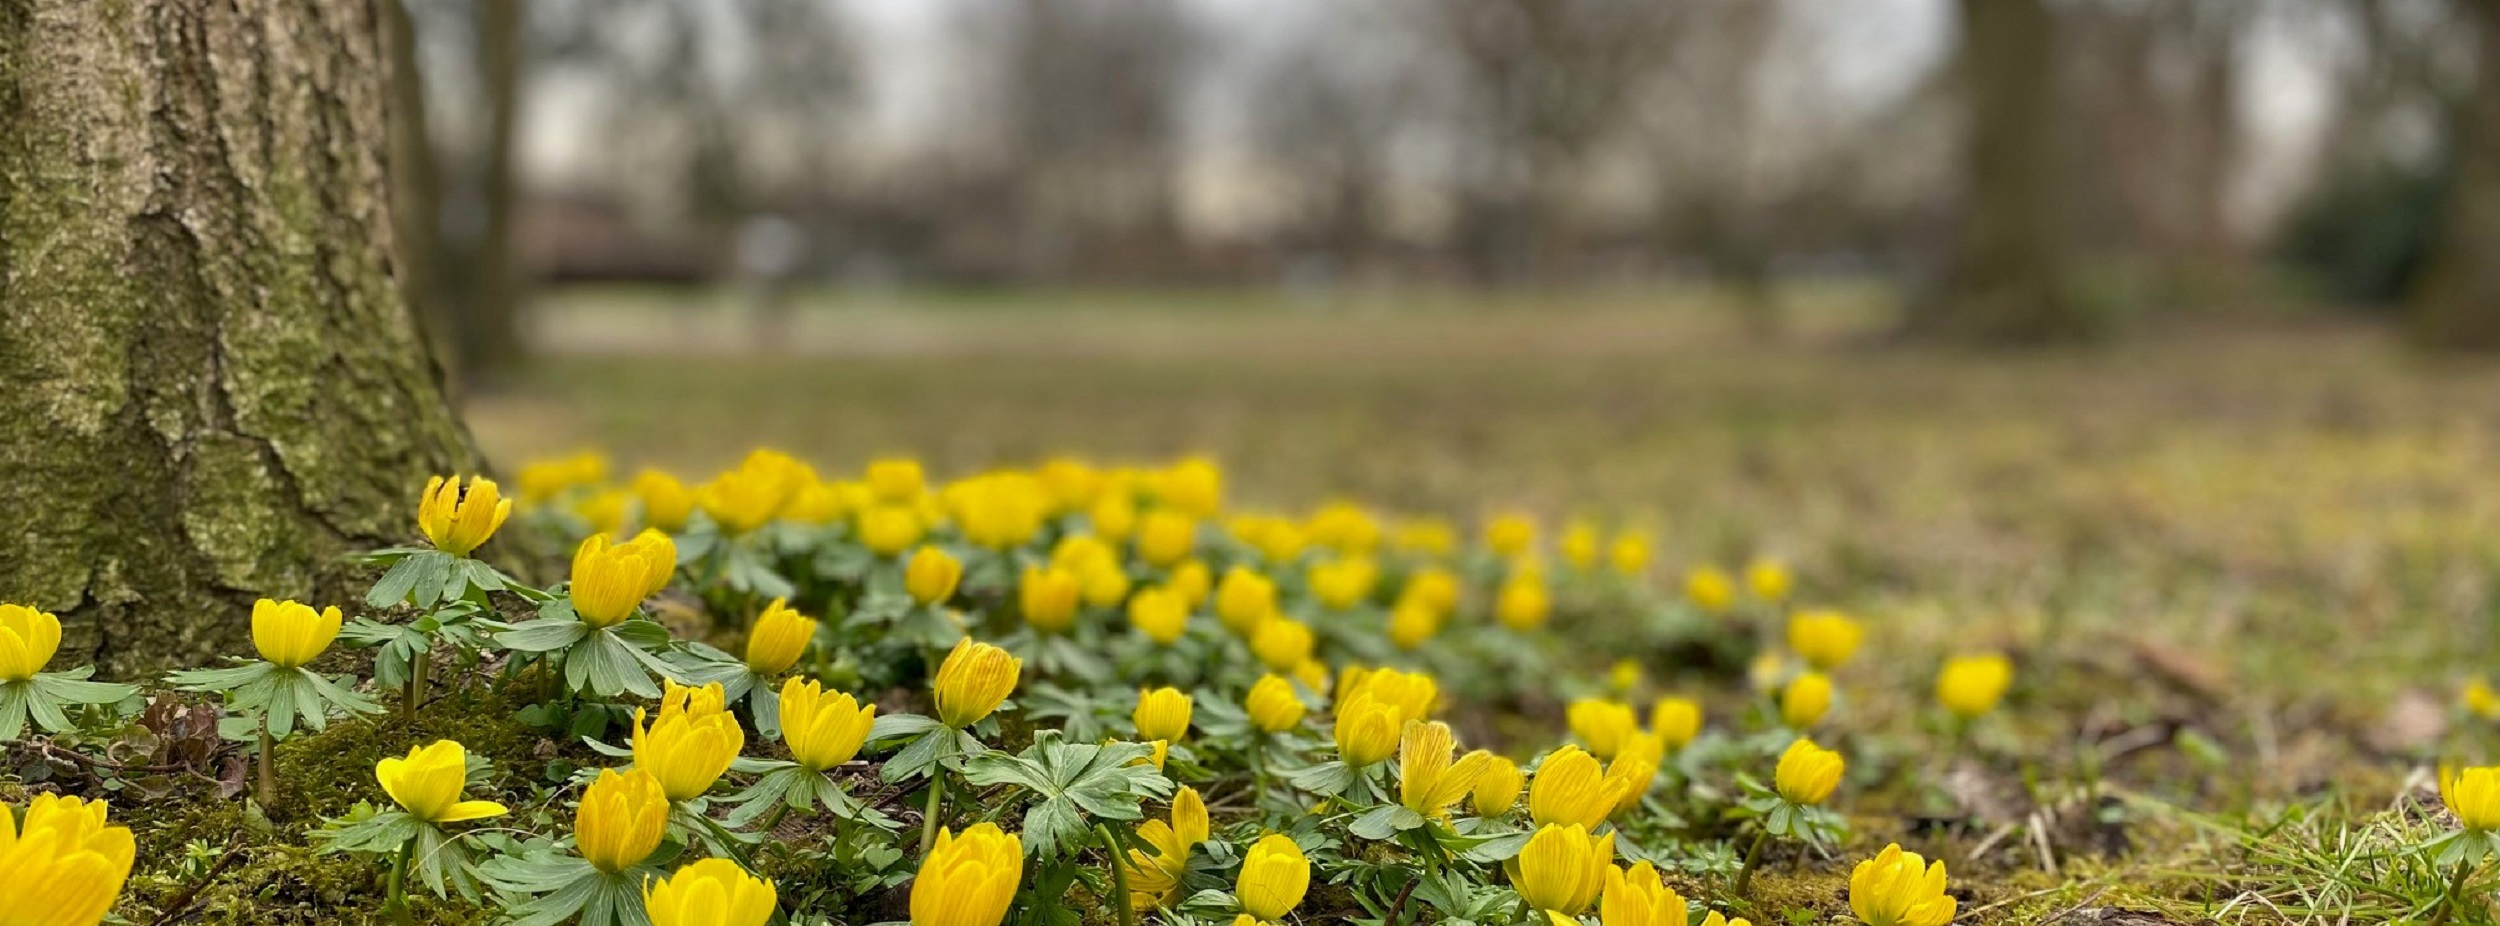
(1282, 643)
(888, 530)
(1676, 721)
(64, 867)
(1154, 880)
(1277, 539)
(611, 580)
(820, 503)
(289, 634)
(1367, 730)
(28, 638)
(1579, 545)
(1807, 773)
(1343, 583)
(1522, 602)
(1244, 600)
(621, 819)
(604, 510)
(1510, 534)
(823, 727)
(1272, 705)
(2472, 794)
(1274, 876)
(455, 521)
(1415, 694)
(779, 637)
(1806, 699)
(1971, 685)
(1427, 536)
(1562, 868)
(1412, 622)
(546, 478)
(1165, 537)
(1160, 614)
(666, 502)
(747, 497)
(1345, 527)
(1113, 517)
(972, 681)
(690, 743)
(896, 480)
(968, 879)
(1435, 588)
(1497, 789)
(1629, 553)
(1571, 788)
(999, 511)
(1601, 724)
(1897, 888)
(1634, 769)
(1638, 897)
(1192, 581)
(1768, 579)
(1624, 675)
(1824, 639)
(1428, 782)
(1162, 714)
(931, 575)
(1717, 919)
(1194, 485)
(1048, 596)
(709, 892)
(427, 783)
(1710, 589)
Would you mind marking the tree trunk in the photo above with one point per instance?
(416, 187)
(489, 333)
(2007, 281)
(214, 388)
(2456, 303)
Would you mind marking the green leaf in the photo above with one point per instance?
(394, 586)
(897, 726)
(1327, 779)
(227, 679)
(1072, 781)
(1385, 821)
(13, 710)
(543, 635)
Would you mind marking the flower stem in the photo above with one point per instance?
(268, 785)
(2448, 902)
(1753, 856)
(416, 684)
(1119, 874)
(773, 819)
(396, 902)
(929, 816)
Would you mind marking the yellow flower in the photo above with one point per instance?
(545, 479)
(28, 638)
(611, 580)
(1624, 675)
(1633, 770)
(1897, 888)
(1274, 876)
(1344, 583)
(1971, 685)
(1412, 622)
(621, 819)
(456, 522)
(1154, 880)
(1767, 671)
(604, 510)
(290, 634)
(1579, 545)
(1675, 721)
(747, 497)
(972, 681)
(1048, 596)
(1071, 483)
(1192, 582)
(1367, 730)
(888, 530)
(2472, 794)
(968, 880)
(1162, 714)
(1165, 537)
(1345, 527)
(65, 867)
(1717, 919)
(1824, 639)
(931, 575)
(1510, 534)
(1194, 485)
(1432, 587)
(1629, 554)
(1427, 536)
(896, 480)
(1602, 724)
(666, 502)
(779, 637)
(1103, 585)
(999, 511)
(1244, 600)
(1414, 694)
(1710, 589)
(1562, 868)
(709, 892)
(823, 727)
(1282, 643)
(1272, 705)
(1160, 614)
(691, 743)
(1806, 699)
(1571, 788)
(1638, 897)
(1807, 773)
(1768, 580)
(1521, 603)
(1497, 789)
(1428, 782)
(1278, 540)
(427, 783)
(821, 503)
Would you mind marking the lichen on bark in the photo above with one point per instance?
(214, 390)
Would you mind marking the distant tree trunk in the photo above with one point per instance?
(2456, 303)
(214, 388)
(2007, 281)
(416, 186)
(489, 333)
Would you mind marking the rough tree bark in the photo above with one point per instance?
(488, 338)
(2456, 303)
(214, 389)
(2007, 280)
